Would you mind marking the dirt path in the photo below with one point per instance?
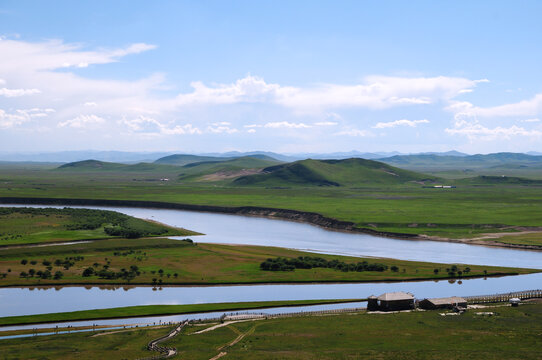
(126, 330)
(489, 239)
(234, 341)
(223, 324)
(218, 356)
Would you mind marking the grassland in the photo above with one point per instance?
(513, 333)
(172, 262)
(155, 310)
(34, 226)
(122, 345)
(475, 207)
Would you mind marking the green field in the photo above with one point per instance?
(167, 262)
(476, 206)
(123, 345)
(33, 226)
(513, 333)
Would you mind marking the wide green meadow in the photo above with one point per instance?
(510, 333)
(172, 262)
(23, 226)
(470, 209)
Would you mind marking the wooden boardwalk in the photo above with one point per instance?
(165, 351)
(522, 295)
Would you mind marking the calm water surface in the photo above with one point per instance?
(235, 229)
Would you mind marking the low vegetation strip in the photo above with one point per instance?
(20, 225)
(310, 262)
(159, 262)
(155, 310)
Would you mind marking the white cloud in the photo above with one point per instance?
(355, 132)
(531, 120)
(326, 123)
(21, 116)
(10, 120)
(82, 121)
(55, 54)
(252, 126)
(251, 131)
(90, 104)
(402, 122)
(473, 130)
(221, 129)
(186, 129)
(530, 107)
(286, 124)
(17, 92)
(148, 125)
(376, 92)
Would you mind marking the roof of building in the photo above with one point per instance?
(447, 300)
(396, 296)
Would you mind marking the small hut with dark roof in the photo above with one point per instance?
(443, 303)
(394, 301)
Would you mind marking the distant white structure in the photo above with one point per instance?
(515, 301)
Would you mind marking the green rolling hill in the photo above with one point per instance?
(459, 162)
(185, 159)
(96, 165)
(222, 170)
(347, 172)
(454, 167)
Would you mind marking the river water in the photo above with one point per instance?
(234, 229)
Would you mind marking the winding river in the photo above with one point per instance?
(235, 229)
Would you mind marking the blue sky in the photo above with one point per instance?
(285, 76)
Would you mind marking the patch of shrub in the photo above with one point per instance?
(309, 262)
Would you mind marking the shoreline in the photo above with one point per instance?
(271, 213)
(242, 306)
(300, 282)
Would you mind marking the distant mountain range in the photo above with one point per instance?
(71, 156)
(431, 162)
(264, 171)
(451, 158)
(135, 157)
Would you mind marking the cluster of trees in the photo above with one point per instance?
(455, 271)
(309, 262)
(105, 273)
(130, 232)
(66, 263)
(42, 274)
(116, 224)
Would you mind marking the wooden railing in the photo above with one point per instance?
(522, 295)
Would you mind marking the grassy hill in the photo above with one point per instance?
(221, 170)
(510, 164)
(499, 180)
(96, 165)
(458, 162)
(184, 159)
(347, 172)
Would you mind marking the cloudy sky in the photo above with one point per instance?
(285, 76)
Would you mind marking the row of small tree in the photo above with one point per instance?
(309, 262)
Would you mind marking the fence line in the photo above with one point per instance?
(522, 295)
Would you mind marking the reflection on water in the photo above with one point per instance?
(236, 229)
(21, 301)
